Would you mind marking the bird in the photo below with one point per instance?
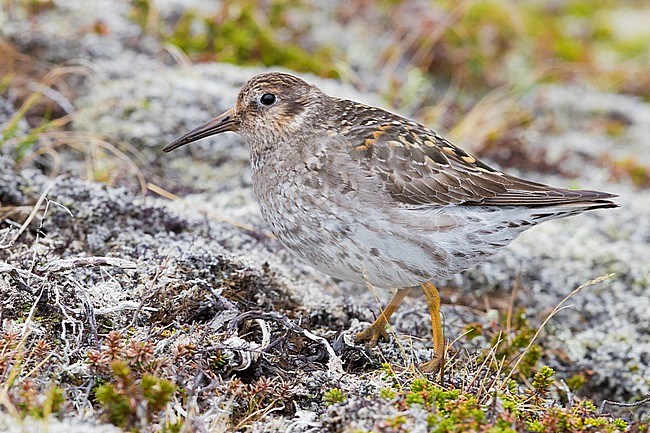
(370, 197)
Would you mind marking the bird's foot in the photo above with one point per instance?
(373, 333)
(432, 366)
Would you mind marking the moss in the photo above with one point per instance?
(473, 330)
(244, 33)
(630, 168)
(582, 417)
(518, 408)
(576, 381)
(25, 378)
(513, 339)
(39, 405)
(387, 369)
(115, 405)
(491, 44)
(333, 396)
(129, 402)
(396, 421)
(387, 393)
(176, 427)
(620, 424)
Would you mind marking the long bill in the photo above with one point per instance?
(222, 123)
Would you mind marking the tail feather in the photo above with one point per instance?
(551, 197)
(547, 203)
(569, 209)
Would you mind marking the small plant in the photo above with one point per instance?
(333, 396)
(38, 404)
(129, 394)
(387, 393)
(23, 377)
(458, 415)
(582, 417)
(396, 422)
(576, 381)
(253, 401)
(514, 338)
(473, 330)
(129, 402)
(428, 394)
(543, 380)
(387, 369)
(516, 409)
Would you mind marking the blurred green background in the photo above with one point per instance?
(473, 44)
(463, 67)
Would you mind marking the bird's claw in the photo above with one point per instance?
(431, 366)
(372, 334)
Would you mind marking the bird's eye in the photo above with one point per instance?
(267, 99)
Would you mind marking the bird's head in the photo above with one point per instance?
(269, 107)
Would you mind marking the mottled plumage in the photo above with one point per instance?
(365, 195)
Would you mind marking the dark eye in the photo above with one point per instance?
(267, 99)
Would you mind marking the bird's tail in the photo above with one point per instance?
(574, 202)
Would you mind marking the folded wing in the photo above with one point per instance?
(419, 168)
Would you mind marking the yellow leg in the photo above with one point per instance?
(378, 328)
(433, 302)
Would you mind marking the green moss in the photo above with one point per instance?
(333, 396)
(39, 405)
(517, 409)
(535, 426)
(428, 394)
(582, 417)
(576, 381)
(513, 340)
(620, 424)
(631, 48)
(500, 43)
(459, 415)
(466, 54)
(396, 421)
(387, 393)
(218, 360)
(473, 330)
(156, 392)
(123, 398)
(509, 403)
(176, 427)
(638, 173)
(244, 33)
(387, 369)
(115, 405)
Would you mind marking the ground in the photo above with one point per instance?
(143, 290)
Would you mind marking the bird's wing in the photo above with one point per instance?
(419, 167)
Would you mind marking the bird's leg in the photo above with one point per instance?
(378, 328)
(433, 302)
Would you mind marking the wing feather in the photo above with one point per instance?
(419, 167)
